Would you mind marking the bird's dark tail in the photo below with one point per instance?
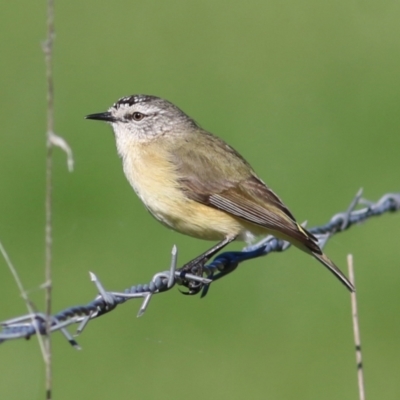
(323, 259)
(309, 244)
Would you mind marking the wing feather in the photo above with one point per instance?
(232, 186)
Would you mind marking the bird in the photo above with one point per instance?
(195, 183)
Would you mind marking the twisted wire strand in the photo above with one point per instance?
(28, 325)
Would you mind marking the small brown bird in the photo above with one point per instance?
(195, 183)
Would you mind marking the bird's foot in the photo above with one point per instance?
(194, 267)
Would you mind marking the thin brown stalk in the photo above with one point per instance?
(51, 140)
(356, 329)
(24, 295)
(48, 51)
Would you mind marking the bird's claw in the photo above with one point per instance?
(192, 290)
(193, 286)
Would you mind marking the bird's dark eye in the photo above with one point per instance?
(137, 116)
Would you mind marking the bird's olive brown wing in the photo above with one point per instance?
(250, 200)
(213, 173)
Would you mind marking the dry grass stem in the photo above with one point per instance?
(24, 295)
(356, 329)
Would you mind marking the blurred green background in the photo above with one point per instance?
(308, 91)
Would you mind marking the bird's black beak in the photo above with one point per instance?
(104, 116)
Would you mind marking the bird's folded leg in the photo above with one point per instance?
(196, 266)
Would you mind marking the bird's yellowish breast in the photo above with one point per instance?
(155, 180)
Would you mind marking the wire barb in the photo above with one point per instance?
(35, 323)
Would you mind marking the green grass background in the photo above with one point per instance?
(308, 91)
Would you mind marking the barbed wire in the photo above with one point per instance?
(30, 324)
